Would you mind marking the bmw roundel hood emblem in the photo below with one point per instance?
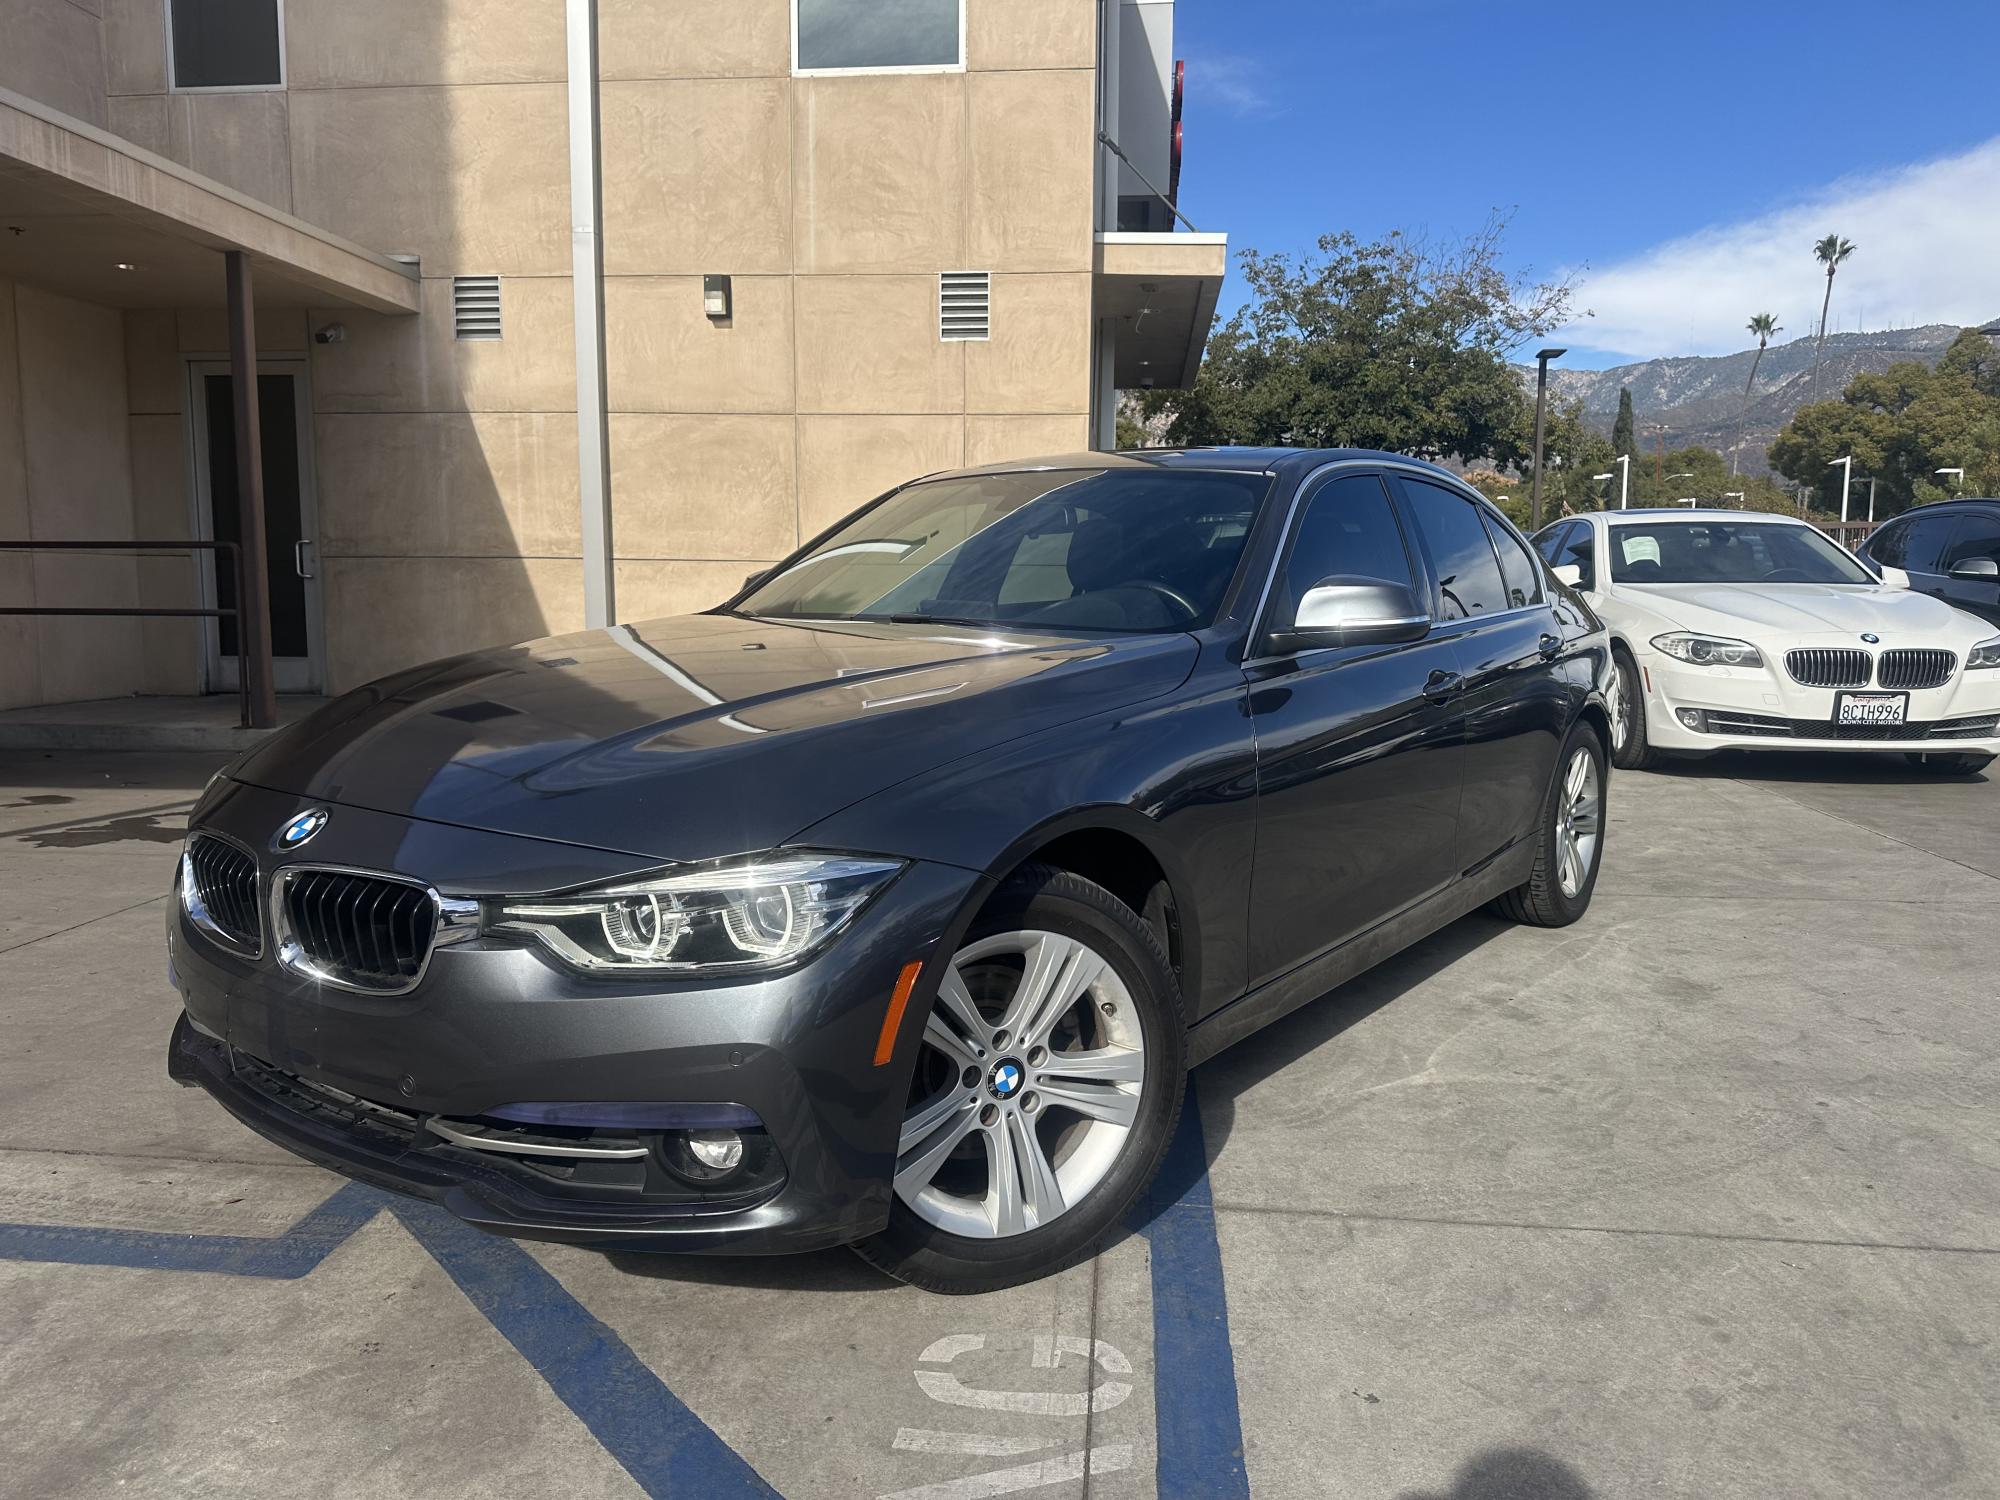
(301, 828)
(1871, 637)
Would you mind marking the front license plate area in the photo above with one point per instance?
(1871, 708)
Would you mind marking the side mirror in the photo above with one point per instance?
(1354, 611)
(1976, 570)
(1568, 573)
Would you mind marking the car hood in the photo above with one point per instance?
(701, 736)
(1900, 617)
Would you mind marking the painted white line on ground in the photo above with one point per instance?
(1107, 1459)
(980, 1444)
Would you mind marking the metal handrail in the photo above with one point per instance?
(235, 555)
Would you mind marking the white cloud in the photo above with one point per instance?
(1233, 83)
(1927, 240)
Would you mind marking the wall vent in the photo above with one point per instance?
(965, 305)
(475, 307)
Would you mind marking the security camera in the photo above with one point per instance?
(332, 333)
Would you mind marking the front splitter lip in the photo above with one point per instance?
(786, 1223)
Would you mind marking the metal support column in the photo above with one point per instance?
(253, 618)
(586, 219)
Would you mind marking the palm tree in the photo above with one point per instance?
(1830, 251)
(1763, 325)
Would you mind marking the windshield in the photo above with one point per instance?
(1128, 550)
(1728, 552)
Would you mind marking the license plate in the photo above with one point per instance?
(1871, 708)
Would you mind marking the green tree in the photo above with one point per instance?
(1391, 343)
(1901, 425)
(1622, 430)
(1830, 252)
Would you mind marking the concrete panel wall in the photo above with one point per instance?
(53, 51)
(65, 475)
(447, 470)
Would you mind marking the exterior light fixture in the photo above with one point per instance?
(126, 265)
(715, 298)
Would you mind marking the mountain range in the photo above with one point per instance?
(1700, 397)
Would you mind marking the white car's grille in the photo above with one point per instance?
(1915, 669)
(1829, 667)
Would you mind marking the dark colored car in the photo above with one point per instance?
(1951, 550)
(889, 903)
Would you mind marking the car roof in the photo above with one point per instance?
(1260, 460)
(1964, 502)
(1698, 513)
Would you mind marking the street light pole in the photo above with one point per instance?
(1846, 482)
(1541, 406)
(1624, 462)
(1958, 478)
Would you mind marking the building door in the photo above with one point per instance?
(291, 536)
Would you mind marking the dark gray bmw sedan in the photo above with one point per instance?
(889, 903)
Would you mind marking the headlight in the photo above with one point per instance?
(1985, 654)
(756, 914)
(1707, 650)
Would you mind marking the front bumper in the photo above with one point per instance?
(1763, 709)
(348, 1080)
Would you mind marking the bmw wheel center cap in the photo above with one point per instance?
(302, 828)
(1006, 1079)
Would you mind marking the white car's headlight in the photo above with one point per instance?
(1707, 650)
(751, 914)
(1985, 654)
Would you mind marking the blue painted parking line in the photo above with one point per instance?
(1197, 1417)
(642, 1424)
(282, 1257)
(659, 1441)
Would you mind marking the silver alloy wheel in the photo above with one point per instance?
(1027, 1087)
(1621, 705)
(1578, 820)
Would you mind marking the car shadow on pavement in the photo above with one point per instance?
(818, 1271)
(1319, 1021)
(1844, 768)
(1510, 1474)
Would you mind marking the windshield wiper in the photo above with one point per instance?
(917, 619)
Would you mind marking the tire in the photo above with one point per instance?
(1549, 897)
(1955, 763)
(1631, 750)
(951, 1227)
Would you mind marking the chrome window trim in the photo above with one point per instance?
(452, 921)
(196, 911)
(1422, 471)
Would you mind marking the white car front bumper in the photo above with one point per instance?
(1733, 708)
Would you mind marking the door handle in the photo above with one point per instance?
(299, 558)
(1442, 686)
(1550, 646)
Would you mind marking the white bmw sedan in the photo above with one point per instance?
(1738, 630)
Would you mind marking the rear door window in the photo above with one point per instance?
(1518, 569)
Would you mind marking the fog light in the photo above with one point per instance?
(718, 1150)
(1693, 718)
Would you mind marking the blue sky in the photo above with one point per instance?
(1683, 157)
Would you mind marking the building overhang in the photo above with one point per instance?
(79, 206)
(1159, 290)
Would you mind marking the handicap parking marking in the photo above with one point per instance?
(668, 1450)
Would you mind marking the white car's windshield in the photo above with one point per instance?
(1126, 550)
(1728, 552)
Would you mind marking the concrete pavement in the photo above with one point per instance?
(1700, 1197)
